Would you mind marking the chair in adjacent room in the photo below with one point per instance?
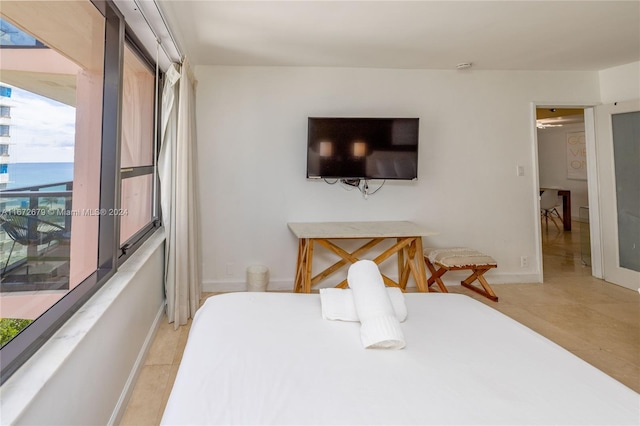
(548, 204)
(29, 231)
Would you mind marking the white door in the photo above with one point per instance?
(618, 162)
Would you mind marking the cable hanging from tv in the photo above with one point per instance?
(355, 150)
(360, 184)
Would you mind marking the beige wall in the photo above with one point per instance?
(620, 83)
(476, 127)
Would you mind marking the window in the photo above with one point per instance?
(12, 36)
(71, 247)
(5, 111)
(136, 151)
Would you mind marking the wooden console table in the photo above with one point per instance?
(566, 208)
(408, 247)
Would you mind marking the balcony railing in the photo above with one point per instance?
(35, 229)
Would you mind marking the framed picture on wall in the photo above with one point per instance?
(576, 156)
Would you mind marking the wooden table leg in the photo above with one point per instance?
(308, 266)
(404, 276)
(418, 258)
(353, 259)
(404, 242)
(345, 260)
(401, 266)
(300, 265)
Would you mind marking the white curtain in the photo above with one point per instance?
(178, 192)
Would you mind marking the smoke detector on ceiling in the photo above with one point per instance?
(464, 66)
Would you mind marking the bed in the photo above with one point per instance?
(269, 358)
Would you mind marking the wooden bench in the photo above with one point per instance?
(456, 259)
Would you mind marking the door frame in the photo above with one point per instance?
(612, 271)
(592, 183)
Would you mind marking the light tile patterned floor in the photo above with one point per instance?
(597, 321)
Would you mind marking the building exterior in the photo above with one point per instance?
(5, 137)
(5, 134)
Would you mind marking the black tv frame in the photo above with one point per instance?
(363, 148)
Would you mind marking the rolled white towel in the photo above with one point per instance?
(380, 329)
(338, 305)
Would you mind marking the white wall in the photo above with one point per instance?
(552, 165)
(84, 374)
(620, 83)
(476, 127)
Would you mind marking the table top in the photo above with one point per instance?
(383, 229)
(560, 190)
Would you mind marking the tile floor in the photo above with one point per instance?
(597, 321)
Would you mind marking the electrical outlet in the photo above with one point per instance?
(524, 261)
(519, 170)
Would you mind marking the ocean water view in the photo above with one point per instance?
(31, 174)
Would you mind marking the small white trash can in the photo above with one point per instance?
(257, 278)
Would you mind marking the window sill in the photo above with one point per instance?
(24, 386)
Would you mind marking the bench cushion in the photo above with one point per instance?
(458, 257)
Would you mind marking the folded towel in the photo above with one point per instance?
(380, 329)
(337, 304)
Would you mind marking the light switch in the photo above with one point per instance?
(520, 171)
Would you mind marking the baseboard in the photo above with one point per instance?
(450, 278)
(121, 405)
(210, 286)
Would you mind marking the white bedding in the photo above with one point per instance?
(270, 358)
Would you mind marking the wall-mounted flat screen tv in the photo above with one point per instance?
(362, 148)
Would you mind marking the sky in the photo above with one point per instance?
(42, 130)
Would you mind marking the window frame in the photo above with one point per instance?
(129, 246)
(111, 253)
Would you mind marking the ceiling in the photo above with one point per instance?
(542, 113)
(558, 117)
(492, 35)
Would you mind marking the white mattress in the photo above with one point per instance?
(269, 358)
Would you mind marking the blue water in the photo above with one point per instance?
(31, 174)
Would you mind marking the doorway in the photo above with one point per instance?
(618, 175)
(563, 177)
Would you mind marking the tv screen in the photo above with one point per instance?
(362, 148)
